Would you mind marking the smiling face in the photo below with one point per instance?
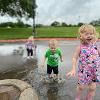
(87, 34)
(87, 37)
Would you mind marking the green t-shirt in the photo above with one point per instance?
(53, 58)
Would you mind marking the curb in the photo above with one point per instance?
(39, 39)
(27, 92)
(24, 40)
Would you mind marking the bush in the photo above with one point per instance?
(14, 25)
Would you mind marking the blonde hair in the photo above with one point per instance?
(30, 38)
(84, 28)
(53, 42)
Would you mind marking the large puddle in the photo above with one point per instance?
(15, 65)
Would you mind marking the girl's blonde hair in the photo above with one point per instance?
(86, 27)
(53, 42)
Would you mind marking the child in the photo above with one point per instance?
(52, 55)
(88, 65)
(29, 46)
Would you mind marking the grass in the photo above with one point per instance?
(15, 33)
(23, 33)
(57, 32)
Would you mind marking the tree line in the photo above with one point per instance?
(15, 25)
(64, 24)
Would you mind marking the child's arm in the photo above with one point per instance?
(43, 62)
(60, 55)
(44, 59)
(33, 45)
(61, 58)
(99, 52)
(98, 48)
(74, 61)
(25, 45)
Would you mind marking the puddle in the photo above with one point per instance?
(29, 70)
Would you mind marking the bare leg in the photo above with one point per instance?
(49, 75)
(56, 75)
(91, 91)
(79, 92)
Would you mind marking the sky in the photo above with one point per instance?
(7, 18)
(68, 11)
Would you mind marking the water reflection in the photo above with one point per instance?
(29, 70)
(52, 93)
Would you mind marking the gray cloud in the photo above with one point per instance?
(70, 11)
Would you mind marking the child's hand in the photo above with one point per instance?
(71, 73)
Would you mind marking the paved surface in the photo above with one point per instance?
(16, 66)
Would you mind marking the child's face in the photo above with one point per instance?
(87, 36)
(52, 48)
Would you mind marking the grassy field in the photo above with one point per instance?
(23, 33)
(15, 33)
(57, 32)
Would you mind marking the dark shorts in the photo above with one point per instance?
(50, 68)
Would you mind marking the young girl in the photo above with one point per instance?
(89, 62)
(29, 46)
(52, 55)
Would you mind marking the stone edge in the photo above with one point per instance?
(27, 92)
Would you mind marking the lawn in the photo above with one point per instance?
(15, 33)
(57, 32)
(23, 33)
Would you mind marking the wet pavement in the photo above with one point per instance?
(15, 65)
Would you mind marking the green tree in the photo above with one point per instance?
(64, 24)
(80, 24)
(18, 8)
(55, 23)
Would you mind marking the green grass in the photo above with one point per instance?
(15, 33)
(57, 32)
(23, 33)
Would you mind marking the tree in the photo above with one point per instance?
(80, 24)
(64, 24)
(95, 22)
(18, 8)
(55, 23)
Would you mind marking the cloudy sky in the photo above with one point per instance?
(7, 18)
(69, 11)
